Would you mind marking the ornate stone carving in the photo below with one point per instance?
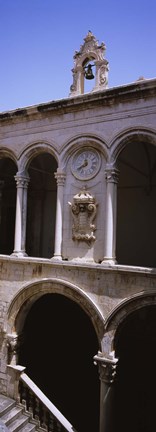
(111, 174)
(12, 344)
(89, 51)
(83, 212)
(107, 367)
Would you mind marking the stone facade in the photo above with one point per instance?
(99, 151)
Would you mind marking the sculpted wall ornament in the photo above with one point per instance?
(83, 211)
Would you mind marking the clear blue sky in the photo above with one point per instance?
(39, 38)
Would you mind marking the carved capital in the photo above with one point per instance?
(60, 177)
(22, 180)
(111, 174)
(107, 368)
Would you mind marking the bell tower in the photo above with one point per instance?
(90, 56)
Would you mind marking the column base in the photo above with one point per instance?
(108, 261)
(19, 254)
(56, 258)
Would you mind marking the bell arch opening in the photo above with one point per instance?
(136, 209)
(41, 213)
(135, 346)
(58, 346)
(8, 170)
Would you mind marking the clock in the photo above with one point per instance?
(86, 163)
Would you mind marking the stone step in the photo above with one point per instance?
(11, 415)
(18, 423)
(6, 404)
(29, 427)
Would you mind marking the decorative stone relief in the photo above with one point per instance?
(12, 344)
(89, 51)
(83, 211)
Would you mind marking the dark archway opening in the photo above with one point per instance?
(136, 205)
(8, 170)
(58, 349)
(135, 346)
(42, 192)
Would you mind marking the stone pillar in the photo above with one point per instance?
(22, 181)
(60, 177)
(107, 373)
(111, 175)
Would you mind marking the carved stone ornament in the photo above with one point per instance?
(83, 211)
(92, 52)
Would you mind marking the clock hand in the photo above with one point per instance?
(85, 163)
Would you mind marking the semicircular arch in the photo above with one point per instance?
(80, 141)
(127, 306)
(130, 135)
(24, 299)
(7, 153)
(33, 150)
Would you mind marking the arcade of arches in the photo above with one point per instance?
(78, 288)
(136, 209)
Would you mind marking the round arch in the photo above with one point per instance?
(83, 140)
(33, 150)
(120, 313)
(134, 346)
(127, 306)
(7, 153)
(127, 136)
(23, 301)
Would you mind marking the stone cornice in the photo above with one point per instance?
(137, 90)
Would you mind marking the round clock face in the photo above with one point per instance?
(86, 163)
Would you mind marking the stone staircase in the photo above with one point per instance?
(15, 417)
(27, 409)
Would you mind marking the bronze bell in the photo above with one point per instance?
(89, 73)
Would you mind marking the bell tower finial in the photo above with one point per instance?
(90, 54)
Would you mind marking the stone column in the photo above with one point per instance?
(111, 175)
(22, 181)
(60, 177)
(107, 373)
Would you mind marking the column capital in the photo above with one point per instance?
(22, 179)
(107, 367)
(111, 173)
(60, 177)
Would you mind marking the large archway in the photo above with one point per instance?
(135, 346)
(59, 343)
(41, 206)
(136, 204)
